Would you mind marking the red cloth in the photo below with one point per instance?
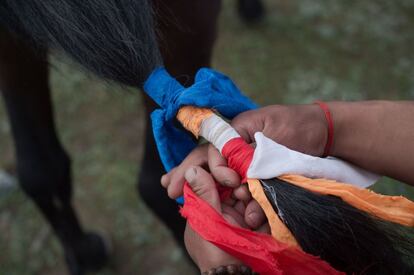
(239, 155)
(260, 251)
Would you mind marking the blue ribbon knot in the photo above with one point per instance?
(211, 89)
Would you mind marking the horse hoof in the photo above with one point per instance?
(91, 253)
(251, 11)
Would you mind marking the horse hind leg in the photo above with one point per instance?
(188, 32)
(43, 166)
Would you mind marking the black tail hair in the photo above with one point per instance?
(348, 238)
(115, 39)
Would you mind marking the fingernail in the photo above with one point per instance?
(190, 174)
(227, 183)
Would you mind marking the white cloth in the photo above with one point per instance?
(217, 131)
(271, 160)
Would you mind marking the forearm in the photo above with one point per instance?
(376, 135)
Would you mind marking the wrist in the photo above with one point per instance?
(341, 113)
(329, 129)
(352, 124)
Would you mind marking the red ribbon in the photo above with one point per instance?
(239, 155)
(261, 252)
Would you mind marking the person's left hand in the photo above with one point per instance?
(208, 157)
(205, 254)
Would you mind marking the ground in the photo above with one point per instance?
(304, 50)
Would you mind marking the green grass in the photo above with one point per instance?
(304, 50)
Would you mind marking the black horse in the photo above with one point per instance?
(186, 31)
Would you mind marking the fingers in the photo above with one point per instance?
(218, 167)
(247, 215)
(240, 207)
(242, 193)
(202, 183)
(265, 228)
(233, 216)
(166, 179)
(254, 215)
(174, 180)
(248, 123)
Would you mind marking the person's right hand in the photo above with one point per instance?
(301, 128)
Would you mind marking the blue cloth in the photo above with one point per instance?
(210, 89)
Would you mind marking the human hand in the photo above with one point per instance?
(208, 157)
(205, 254)
(301, 128)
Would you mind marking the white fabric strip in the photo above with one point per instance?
(271, 160)
(217, 131)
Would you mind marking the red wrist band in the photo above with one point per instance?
(329, 120)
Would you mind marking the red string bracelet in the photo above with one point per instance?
(329, 120)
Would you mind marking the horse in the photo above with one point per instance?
(186, 32)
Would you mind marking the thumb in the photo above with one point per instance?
(202, 183)
(247, 124)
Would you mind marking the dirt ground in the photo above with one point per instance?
(303, 50)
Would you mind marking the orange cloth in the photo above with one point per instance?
(191, 118)
(396, 209)
(278, 229)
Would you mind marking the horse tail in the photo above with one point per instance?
(114, 39)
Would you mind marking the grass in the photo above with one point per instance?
(304, 50)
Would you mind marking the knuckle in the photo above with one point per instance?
(197, 157)
(203, 191)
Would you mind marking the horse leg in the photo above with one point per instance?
(188, 31)
(42, 164)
